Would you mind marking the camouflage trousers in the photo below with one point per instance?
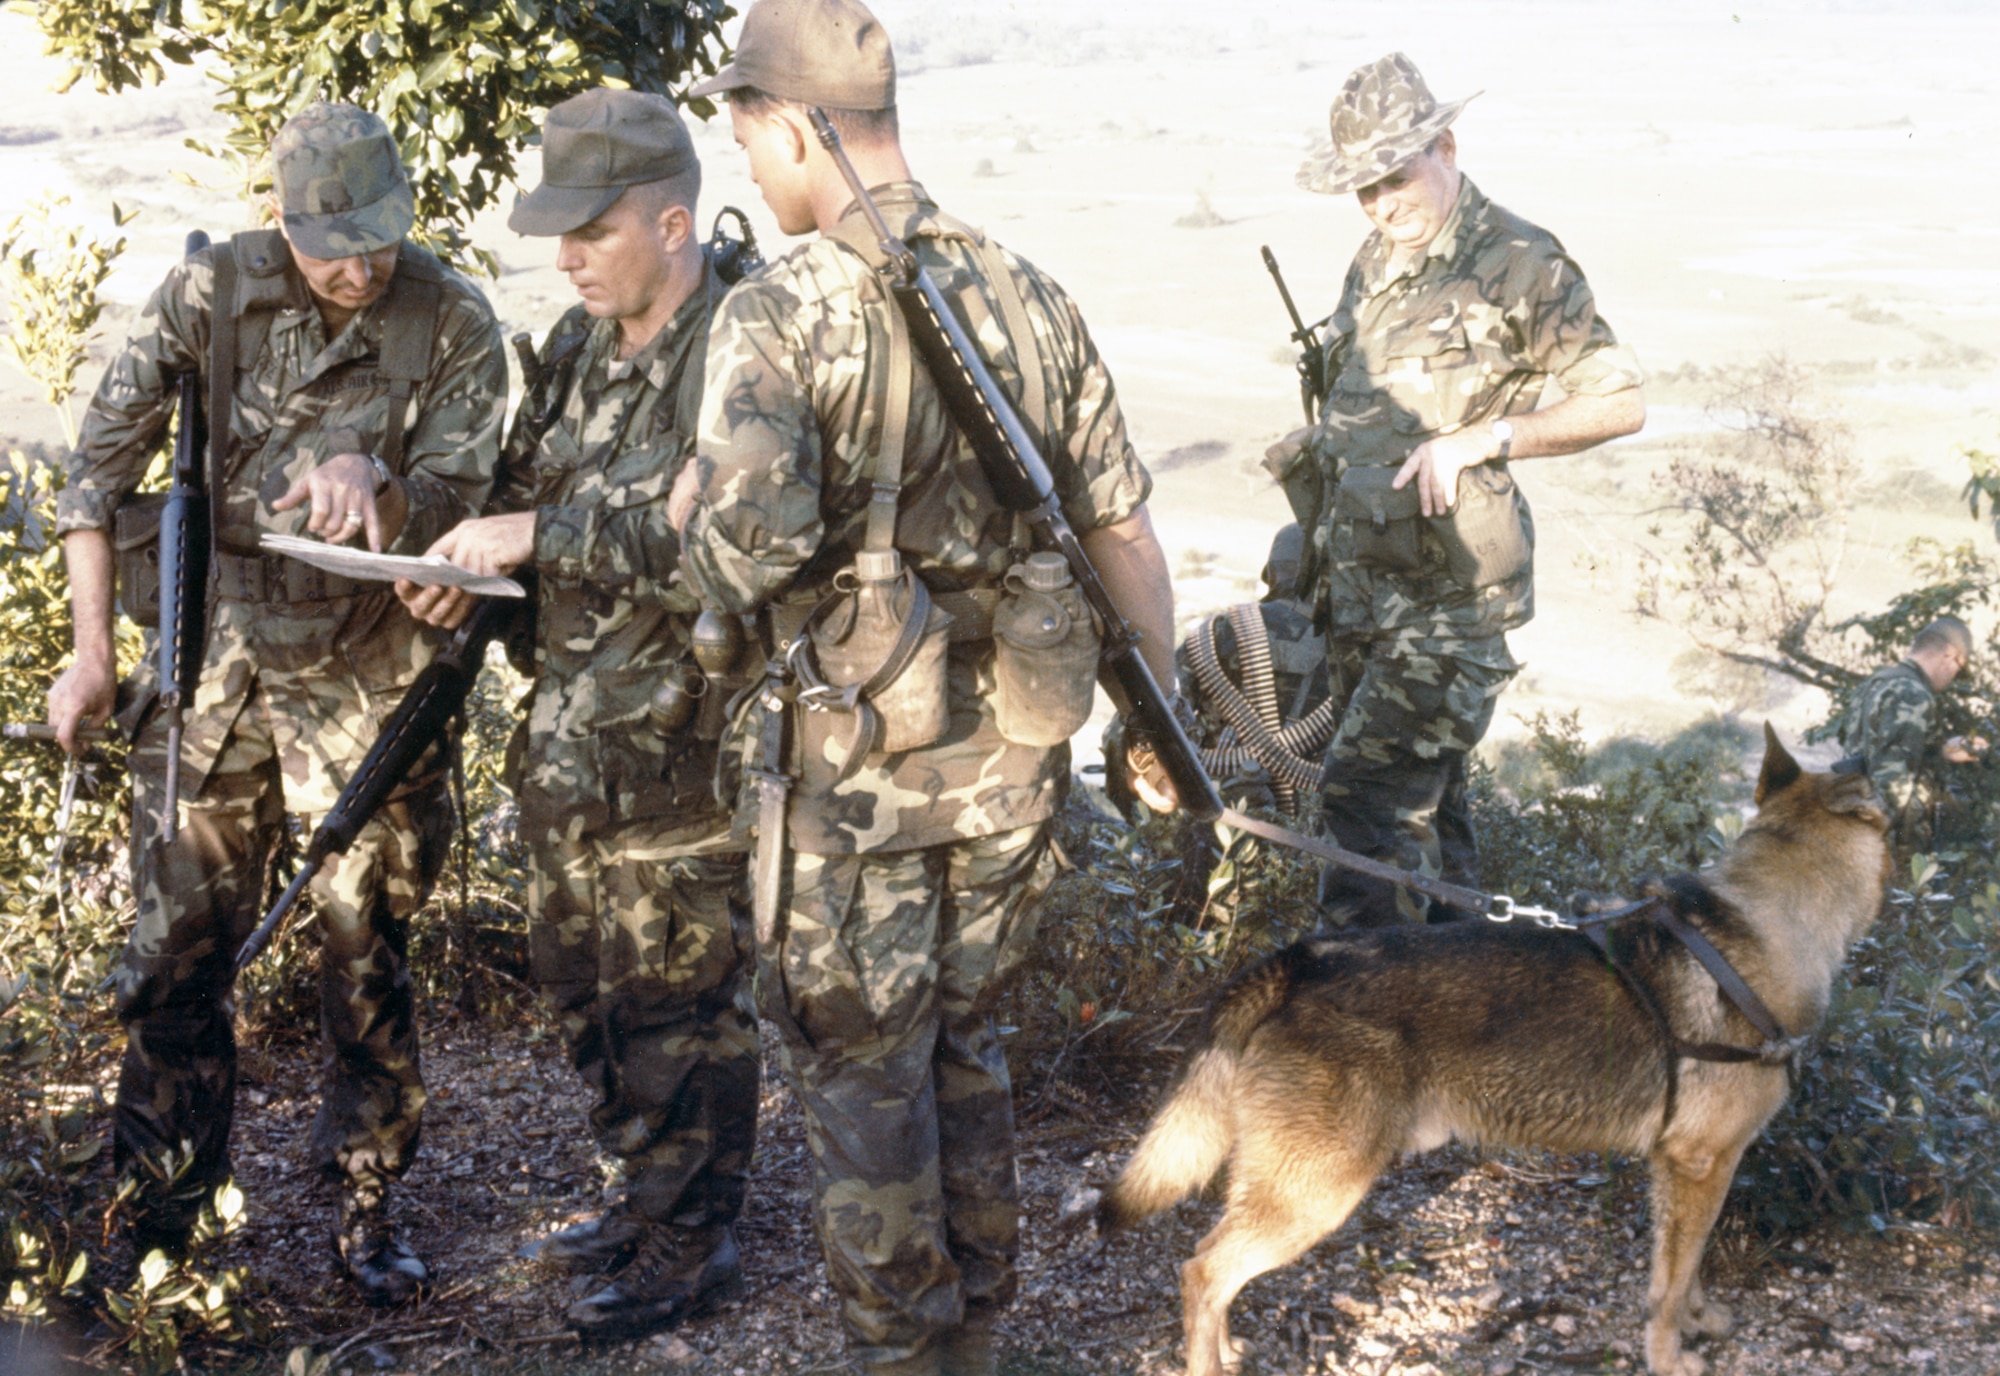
(199, 898)
(881, 984)
(638, 942)
(1394, 787)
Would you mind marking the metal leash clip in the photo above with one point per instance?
(1505, 909)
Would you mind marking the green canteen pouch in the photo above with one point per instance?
(135, 544)
(1484, 537)
(1386, 534)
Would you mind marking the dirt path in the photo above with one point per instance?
(1456, 1265)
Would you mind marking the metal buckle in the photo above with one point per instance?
(1505, 909)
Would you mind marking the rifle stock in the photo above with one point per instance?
(185, 539)
(421, 718)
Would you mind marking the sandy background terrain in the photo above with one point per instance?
(1808, 179)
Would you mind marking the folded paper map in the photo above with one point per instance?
(428, 570)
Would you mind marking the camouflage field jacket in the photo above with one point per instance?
(1888, 724)
(612, 610)
(332, 667)
(1468, 333)
(792, 410)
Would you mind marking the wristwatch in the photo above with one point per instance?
(383, 477)
(1503, 435)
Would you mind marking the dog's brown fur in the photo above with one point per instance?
(1324, 1063)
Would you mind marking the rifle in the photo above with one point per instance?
(1312, 363)
(186, 532)
(42, 731)
(421, 719)
(1021, 479)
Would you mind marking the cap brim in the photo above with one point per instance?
(1331, 173)
(728, 79)
(378, 225)
(551, 210)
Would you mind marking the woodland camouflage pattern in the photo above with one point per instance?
(291, 697)
(883, 992)
(911, 891)
(1888, 724)
(613, 611)
(634, 912)
(1384, 115)
(1470, 332)
(339, 181)
(796, 389)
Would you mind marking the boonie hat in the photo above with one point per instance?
(593, 147)
(339, 182)
(1384, 116)
(817, 52)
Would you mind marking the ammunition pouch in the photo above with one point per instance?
(135, 552)
(1384, 518)
(1485, 535)
(1046, 646)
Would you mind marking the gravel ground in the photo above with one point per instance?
(1455, 1264)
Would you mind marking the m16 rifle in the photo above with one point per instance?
(1312, 361)
(423, 718)
(187, 530)
(1022, 481)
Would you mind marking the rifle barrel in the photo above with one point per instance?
(261, 938)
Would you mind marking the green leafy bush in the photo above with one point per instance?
(460, 83)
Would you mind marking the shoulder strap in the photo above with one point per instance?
(885, 473)
(409, 325)
(221, 376)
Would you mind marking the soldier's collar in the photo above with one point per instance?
(1470, 203)
(910, 193)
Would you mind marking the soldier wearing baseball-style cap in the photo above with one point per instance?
(357, 388)
(632, 878)
(922, 870)
(596, 145)
(338, 182)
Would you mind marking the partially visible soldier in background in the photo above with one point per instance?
(907, 882)
(1891, 721)
(369, 391)
(636, 889)
(1454, 317)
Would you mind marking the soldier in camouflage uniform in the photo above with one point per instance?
(1890, 721)
(636, 888)
(910, 888)
(300, 668)
(1454, 316)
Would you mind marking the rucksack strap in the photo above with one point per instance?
(409, 325)
(221, 405)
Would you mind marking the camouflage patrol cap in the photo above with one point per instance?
(339, 182)
(1384, 116)
(817, 52)
(593, 147)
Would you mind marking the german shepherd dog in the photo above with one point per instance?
(1319, 1066)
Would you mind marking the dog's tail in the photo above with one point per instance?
(1192, 1134)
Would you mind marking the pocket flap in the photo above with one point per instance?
(1366, 494)
(137, 521)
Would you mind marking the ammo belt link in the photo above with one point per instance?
(274, 579)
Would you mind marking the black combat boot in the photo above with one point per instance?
(382, 1269)
(595, 1246)
(676, 1274)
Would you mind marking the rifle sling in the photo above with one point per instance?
(221, 378)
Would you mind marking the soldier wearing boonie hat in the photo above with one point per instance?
(907, 889)
(368, 387)
(633, 879)
(1454, 315)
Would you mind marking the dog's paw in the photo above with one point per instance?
(1234, 1350)
(1666, 1357)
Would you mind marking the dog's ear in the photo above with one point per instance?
(1780, 770)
